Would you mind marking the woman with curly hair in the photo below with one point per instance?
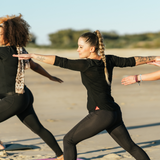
(96, 73)
(15, 97)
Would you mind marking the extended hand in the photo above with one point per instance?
(23, 56)
(52, 78)
(157, 59)
(128, 80)
(155, 63)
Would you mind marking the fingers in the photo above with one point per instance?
(154, 63)
(128, 80)
(22, 56)
(56, 79)
(125, 83)
(157, 59)
(60, 81)
(17, 56)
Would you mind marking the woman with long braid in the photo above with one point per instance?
(15, 97)
(96, 73)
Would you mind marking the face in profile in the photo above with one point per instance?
(84, 49)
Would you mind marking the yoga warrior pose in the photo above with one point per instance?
(143, 77)
(96, 73)
(15, 97)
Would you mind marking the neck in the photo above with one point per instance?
(95, 56)
(2, 44)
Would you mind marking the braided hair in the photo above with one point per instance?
(96, 39)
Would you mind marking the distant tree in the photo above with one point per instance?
(65, 38)
(32, 41)
(32, 38)
(110, 35)
(68, 39)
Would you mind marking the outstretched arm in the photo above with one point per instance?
(39, 69)
(144, 77)
(50, 59)
(155, 63)
(76, 65)
(144, 60)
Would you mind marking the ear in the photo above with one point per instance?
(92, 49)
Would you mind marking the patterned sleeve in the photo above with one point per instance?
(122, 61)
(76, 65)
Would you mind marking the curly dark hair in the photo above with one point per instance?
(15, 30)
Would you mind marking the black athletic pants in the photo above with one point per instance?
(96, 122)
(22, 106)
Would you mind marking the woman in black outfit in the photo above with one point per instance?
(96, 73)
(15, 97)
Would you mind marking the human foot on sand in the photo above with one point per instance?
(60, 158)
(1, 146)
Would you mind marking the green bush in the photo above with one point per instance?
(66, 39)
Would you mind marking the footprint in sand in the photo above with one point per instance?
(52, 120)
(111, 157)
(3, 153)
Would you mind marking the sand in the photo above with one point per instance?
(61, 106)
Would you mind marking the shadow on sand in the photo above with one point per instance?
(141, 144)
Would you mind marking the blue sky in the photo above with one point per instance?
(122, 16)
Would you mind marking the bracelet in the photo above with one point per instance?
(140, 76)
(136, 79)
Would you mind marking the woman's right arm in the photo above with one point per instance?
(77, 65)
(50, 59)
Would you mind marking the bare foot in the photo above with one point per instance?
(60, 158)
(1, 145)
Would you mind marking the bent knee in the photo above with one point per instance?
(68, 139)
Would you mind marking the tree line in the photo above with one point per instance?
(67, 39)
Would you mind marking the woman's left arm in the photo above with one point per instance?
(39, 69)
(144, 60)
(132, 61)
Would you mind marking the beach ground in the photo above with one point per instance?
(61, 106)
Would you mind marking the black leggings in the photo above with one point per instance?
(96, 122)
(21, 105)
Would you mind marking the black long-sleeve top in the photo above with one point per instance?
(93, 78)
(8, 69)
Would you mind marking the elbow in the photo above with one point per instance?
(35, 67)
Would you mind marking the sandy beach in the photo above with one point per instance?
(61, 106)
